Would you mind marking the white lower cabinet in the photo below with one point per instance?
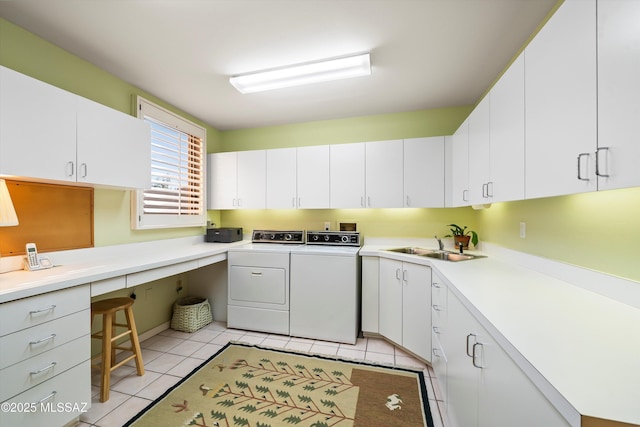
(484, 386)
(45, 374)
(405, 292)
(370, 295)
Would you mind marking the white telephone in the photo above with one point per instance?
(33, 261)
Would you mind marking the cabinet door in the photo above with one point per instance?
(618, 94)
(384, 174)
(424, 172)
(507, 135)
(462, 377)
(560, 87)
(281, 178)
(507, 397)
(223, 180)
(313, 177)
(347, 166)
(390, 317)
(370, 293)
(113, 147)
(252, 179)
(37, 128)
(479, 153)
(460, 166)
(416, 316)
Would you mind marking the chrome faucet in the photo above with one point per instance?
(440, 244)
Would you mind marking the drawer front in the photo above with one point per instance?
(147, 276)
(28, 312)
(38, 369)
(30, 342)
(53, 403)
(108, 285)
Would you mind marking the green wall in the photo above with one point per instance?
(26, 53)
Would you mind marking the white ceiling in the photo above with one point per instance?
(424, 53)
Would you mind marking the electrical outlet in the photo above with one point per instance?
(523, 230)
(327, 226)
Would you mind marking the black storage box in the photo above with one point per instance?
(223, 235)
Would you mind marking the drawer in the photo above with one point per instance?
(135, 279)
(108, 285)
(28, 312)
(30, 342)
(55, 402)
(23, 375)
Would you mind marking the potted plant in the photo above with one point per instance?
(462, 235)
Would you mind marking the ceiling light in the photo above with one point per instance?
(302, 74)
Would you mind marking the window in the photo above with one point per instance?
(177, 194)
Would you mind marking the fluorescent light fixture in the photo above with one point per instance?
(301, 74)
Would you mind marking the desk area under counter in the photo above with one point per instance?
(45, 317)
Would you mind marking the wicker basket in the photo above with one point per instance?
(191, 314)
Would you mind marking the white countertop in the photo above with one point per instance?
(82, 266)
(576, 345)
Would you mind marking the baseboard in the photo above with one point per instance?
(155, 331)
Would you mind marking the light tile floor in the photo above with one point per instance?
(171, 355)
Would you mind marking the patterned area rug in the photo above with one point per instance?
(244, 385)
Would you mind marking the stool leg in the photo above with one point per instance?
(105, 368)
(135, 344)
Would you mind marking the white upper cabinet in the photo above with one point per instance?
(560, 103)
(618, 94)
(113, 148)
(47, 133)
(281, 178)
(37, 128)
(237, 180)
(424, 172)
(384, 174)
(313, 177)
(347, 165)
(459, 165)
(479, 153)
(507, 136)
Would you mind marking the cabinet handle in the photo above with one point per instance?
(436, 285)
(475, 353)
(234, 202)
(42, 310)
(580, 156)
(299, 201)
(41, 370)
(83, 168)
(465, 195)
(369, 201)
(239, 202)
(398, 273)
(436, 307)
(362, 201)
(603, 175)
(293, 202)
(484, 191)
(436, 330)
(408, 204)
(253, 273)
(404, 276)
(489, 189)
(469, 350)
(70, 166)
(41, 340)
(436, 353)
(44, 399)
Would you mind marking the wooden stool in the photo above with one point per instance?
(108, 309)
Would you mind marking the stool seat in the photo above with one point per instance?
(108, 309)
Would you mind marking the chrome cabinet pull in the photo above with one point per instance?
(369, 201)
(475, 353)
(489, 189)
(362, 201)
(408, 204)
(436, 330)
(41, 340)
(603, 175)
(436, 353)
(469, 350)
(436, 307)
(404, 276)
(465, 195)
(293, 202)
(436, 285)
(484, 191)
(70, 166)
(83, 168)
(580, 156)
(41, 370)
(398, 273)
(49, 397)
(256, 274)
(42, 310)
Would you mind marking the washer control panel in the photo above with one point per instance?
(275, 236)
(334, 238)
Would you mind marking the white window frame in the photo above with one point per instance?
(143, 221)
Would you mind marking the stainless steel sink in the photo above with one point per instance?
(436, 254)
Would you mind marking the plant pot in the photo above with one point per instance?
(461, 239)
